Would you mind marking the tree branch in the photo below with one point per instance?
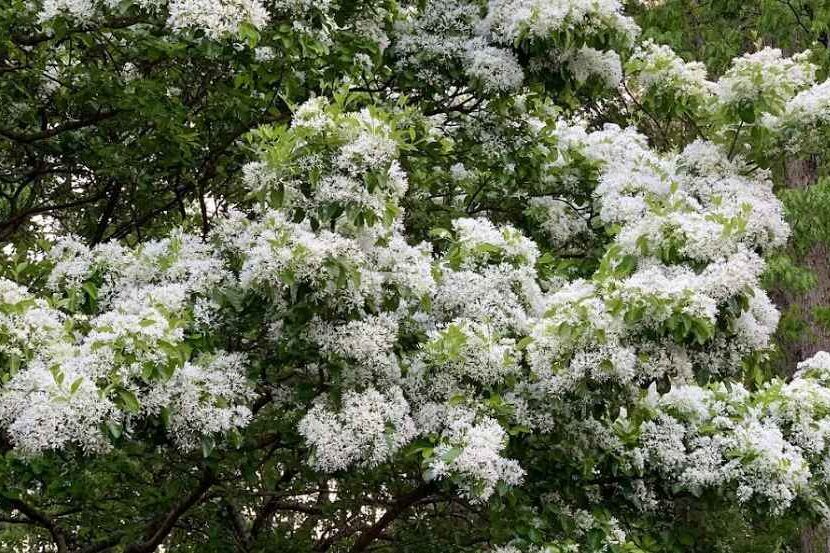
(113, 23)
(54, 131)
(403, 503)
(161, 530)
(41, 519)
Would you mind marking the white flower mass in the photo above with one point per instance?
(455, 349)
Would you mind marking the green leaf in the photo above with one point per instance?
(114, 429)
(91, 290)
(128, 400)
(451, 455)
(208, 445)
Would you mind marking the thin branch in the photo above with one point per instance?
(54, 131)
(735, 141)
(400, 506)
(159, 532)
(114, 23)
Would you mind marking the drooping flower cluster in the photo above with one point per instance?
(765, 446)
(513, 20)
(461, 344)
(765, 77)
(470, 451)
(82, 373)
(369, 428)
(434, 41)
(656, 66)
(217, 19)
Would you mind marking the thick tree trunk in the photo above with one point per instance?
(815, 540)
(799, 174)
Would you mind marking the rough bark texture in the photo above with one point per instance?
(799, 174)
(815, 540)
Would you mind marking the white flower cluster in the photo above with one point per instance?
(366, 344)
(760, 445)
(497, 69)
(216, 18)
(451, 347)
(656, 66)
(470, 349)
(43, 407)
(338, 153)
(202, 398)
(369, 428)
(429, 41)
(687, 229)
(512, 20)
(75, 9)
(803, 122)
(588, 62)
(180, 259)
(562, 222)
(765, 76)
(482, 242)
(78, 374)
(469, 450)
(443, 35)
(764, 89)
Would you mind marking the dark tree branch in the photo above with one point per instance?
(159, 531)
(109, 211)
(400, 506)
(11, 224)
(103, 545)
(270, 507)
(113, 23)
(63, 127)
(41, 519)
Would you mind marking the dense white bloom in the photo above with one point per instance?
(44, 409)
(369, 428)
(75, 9)
(470, 448)
(462, 345)
(367, 343)
(713, 437)
(766, 75)
(656, 67)
(216, 17)
(562, 221)
(73, 262)
(588, 62)
(801, 119)
(203, 398)
(473, 350)
(497, 69)
(512, 20)
(437, 37)
(480, 240)
(300, 9)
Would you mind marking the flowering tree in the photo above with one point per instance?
(440, 276)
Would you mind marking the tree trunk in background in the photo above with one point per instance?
(815, 540)
(799, 174)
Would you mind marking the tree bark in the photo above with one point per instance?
(800, 173)
(815, 540)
